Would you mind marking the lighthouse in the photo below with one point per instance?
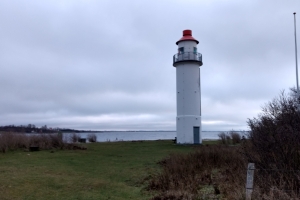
(187, 62)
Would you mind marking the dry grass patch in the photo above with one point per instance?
(209, 172)
(14, 141)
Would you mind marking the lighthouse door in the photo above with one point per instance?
(196, 135)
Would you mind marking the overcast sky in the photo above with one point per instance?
(107, 65)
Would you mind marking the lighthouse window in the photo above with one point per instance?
(181, 50)
(195, 50)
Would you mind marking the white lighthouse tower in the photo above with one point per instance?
(187, 62)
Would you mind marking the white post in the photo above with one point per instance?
(250, 180)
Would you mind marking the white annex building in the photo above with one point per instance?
(187, 62)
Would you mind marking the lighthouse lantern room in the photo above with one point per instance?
(187, 62)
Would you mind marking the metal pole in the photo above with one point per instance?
(298, 93)
(296, 55)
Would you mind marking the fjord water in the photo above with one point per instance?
(114, 136)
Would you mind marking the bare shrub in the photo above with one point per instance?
(14, 141)
(222, 137)
(21, 140)
(74, 137)
(92, 137)
(5, 139)
(210, 171)
(57, 141)
(38, 140)
(47, 141)
(235, 137)
(228, 139)
(273, 145)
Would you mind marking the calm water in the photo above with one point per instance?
(115, 136)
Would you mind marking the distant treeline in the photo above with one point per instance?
(31, 128)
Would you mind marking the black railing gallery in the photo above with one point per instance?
(187, 56)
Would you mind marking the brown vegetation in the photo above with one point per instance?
(13, 141)
(92, 137)
(273, 146)
(235, 137)
(208, 172)
(74, 137)
(232, 137)
(219, 172)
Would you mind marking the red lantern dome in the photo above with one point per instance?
(187, 35)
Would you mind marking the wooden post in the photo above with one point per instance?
(250, 180)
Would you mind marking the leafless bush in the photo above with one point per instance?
(228, 139)
(74, 137)
(92, 137)
(11, 141)
(235, 137)
(210, 171)
(46, 141)
(222, 137)
(14, 141)
(273, 145)
(57, 140)
(269, 187)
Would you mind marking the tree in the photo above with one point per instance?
(44, 127)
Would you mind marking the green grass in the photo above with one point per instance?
(105, 171)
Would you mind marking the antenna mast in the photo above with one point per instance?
(296, 54)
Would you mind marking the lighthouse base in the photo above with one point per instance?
(188, 129)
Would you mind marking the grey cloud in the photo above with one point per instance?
(71, 63)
